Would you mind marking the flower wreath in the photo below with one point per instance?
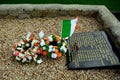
(27, 50)
(53, 46)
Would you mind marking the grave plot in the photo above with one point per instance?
(17, 20)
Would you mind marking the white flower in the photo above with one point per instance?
(24, 59)
(50, 50)
(21, 55)
(54, 55)
(50, 38)
(34, 50)
(19, 48)
(63, 48)
(19, 44)
(42, 43)
(22, 42)
(29, 57)
(28, 39)
(39, 61)
(41, 34)
(18, 58)
(64, 44)
(44, 48)
(58, 42)
(33, 42)
(50, 46)
(22, 50)
(36, 47)
(53, 49)
(35, 57)
(27, 45)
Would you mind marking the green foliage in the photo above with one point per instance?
(54, 38)
(49, 54)
(111, 4)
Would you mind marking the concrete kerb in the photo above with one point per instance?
(108, 18)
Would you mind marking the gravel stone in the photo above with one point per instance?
(11, 30)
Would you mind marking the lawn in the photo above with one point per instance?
(112, 5)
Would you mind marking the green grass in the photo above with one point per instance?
(113, 5)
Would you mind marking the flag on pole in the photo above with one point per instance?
(68, 27)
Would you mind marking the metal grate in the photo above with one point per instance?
(90, 50)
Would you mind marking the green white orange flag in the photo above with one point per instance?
(68, 27)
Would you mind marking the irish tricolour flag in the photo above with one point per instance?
(68, 27)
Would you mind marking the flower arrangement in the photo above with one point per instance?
(53, 46)
(29, 49)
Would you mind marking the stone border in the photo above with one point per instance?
(40, 10)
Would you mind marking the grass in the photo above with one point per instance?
(112, 5)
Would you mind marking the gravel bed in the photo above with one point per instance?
(11, 30)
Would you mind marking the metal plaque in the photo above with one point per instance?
(90, 50)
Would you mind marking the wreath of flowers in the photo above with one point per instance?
(27, 50)
(53, 46)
